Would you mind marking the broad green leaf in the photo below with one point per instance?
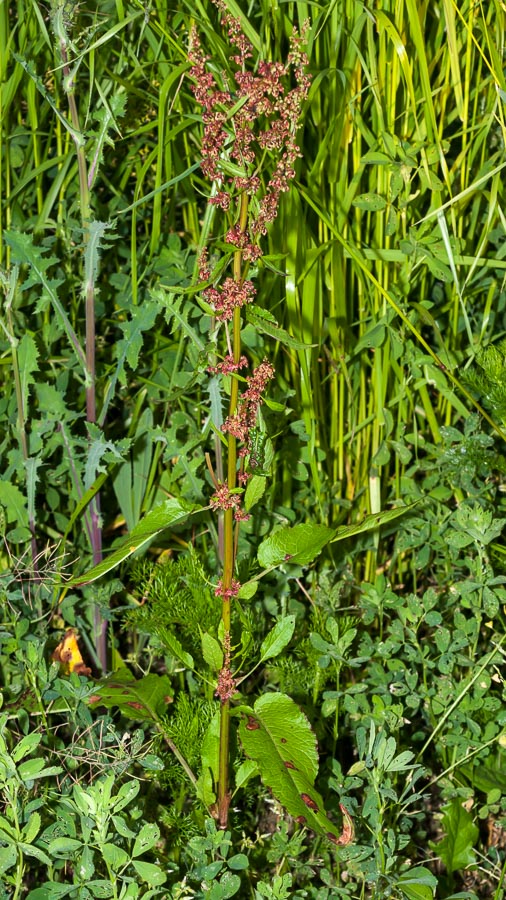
(143, 699)
(278, 737)
(278, 638)
(299, 544)
(146, 839)
(35, 852)
(418, 883)
(456, 848)
(114, 856)
(148, 872)
(63, 847)
(212, 652)
(376, 520)
(168, 513)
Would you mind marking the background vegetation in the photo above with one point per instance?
(381, 304)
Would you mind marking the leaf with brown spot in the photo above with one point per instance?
(284, 748)
(143, 700)
(309, 802)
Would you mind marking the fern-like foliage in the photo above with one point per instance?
(186, 726)
(488, 379)
(178, 599)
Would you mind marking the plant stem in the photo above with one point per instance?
(100, 626)
(229, 543)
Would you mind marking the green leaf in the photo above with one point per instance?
(114, 856)
(278, 638)
(32, 828)
(27, 743)
(8, 858)
(143, 699)
(255, 490)
(372, 202)
(36, 852)
(264, 321)
(279, 738)
(456, 849)
(51, 891)
(210, 756)
(153, 875)
(298, 544)
(63, 847)
(168, 513)
(246, 771)
(212, 652)
(376, 520)
(125, 795)
(146, 839)
(27, 362)
(100, 888)
(15, 504)
(142, 318)
(174, 647)
(417, 884)
(34, 768)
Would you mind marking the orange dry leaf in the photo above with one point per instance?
(67, 653)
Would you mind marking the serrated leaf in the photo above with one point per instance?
(278, 638)
(143, 699)
(15, 504)
(375, 520)
(255, 490)
(456, 849)
(212, 652)
(299, 544)
(170, 512)
(278, 737)
(142, 318)
(265, 322)
(27, 362)
(174, 647)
